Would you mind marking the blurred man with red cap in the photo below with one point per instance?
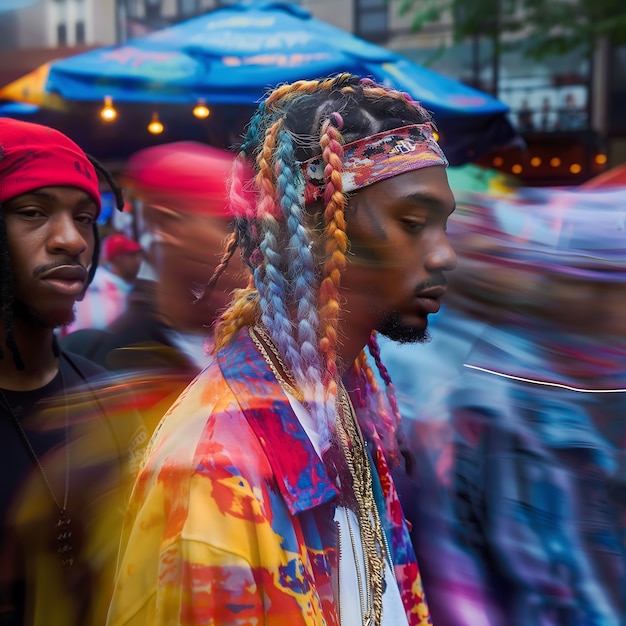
(182, 190)
(56, 558)
(105, 300)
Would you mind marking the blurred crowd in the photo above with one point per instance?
(513, 412)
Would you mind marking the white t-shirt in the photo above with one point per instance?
(349, 609)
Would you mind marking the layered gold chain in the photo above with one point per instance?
(263, 342)
(353, 445)
(370, 526)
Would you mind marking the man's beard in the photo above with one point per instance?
(393, 328)
(39, 319)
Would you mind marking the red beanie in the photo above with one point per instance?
(186, 176)
(33, 156)
(117, 244)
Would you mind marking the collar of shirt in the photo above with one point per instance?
(300, 475)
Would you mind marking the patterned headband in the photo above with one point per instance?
(377, 157)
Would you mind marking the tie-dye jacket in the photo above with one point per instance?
(231, 518)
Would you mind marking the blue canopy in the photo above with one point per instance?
(229, 58)
(234, 54)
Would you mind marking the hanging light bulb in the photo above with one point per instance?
(201, 110)
(155, 127)
(108, 112)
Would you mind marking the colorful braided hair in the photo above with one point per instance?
(295, 282)
(6, 272)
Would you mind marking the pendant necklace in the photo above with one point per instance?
(63, 525)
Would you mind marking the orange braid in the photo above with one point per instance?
(367, 371)
(230, 247)
(374, 92)
(305, 86)
(336, 247)
(265, 177)
(243, 311)
(371, 387)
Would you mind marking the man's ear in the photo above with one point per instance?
(163, 222)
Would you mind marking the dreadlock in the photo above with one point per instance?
(6, 271)
(295, 285)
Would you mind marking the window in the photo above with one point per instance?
(61, 34)
(153, 8)
(188, 8)
(371, 19)
(80, 32)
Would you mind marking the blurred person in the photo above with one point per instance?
(531, 489)
(571, 116)
(64, 459)
(547, 121)
(525, 115)
(159, 342)
(423, 376)
(266, 494)
(105, 300)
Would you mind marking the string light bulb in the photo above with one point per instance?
(108, 112)
(201, 110)
(155, 127)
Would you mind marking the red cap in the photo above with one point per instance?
(33, 156)
(187, 176)
(119, 244)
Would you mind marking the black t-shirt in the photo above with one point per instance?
(71, 407)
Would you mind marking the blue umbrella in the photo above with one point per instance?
(232, 55)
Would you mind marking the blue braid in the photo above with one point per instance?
(275, 289)
(252, 136)
(300, 262)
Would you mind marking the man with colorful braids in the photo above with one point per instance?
(266, 493)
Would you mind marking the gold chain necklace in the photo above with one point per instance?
(372, 534)
(264, 342)
(63, 525)
(373, 538)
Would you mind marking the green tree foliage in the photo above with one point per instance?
(557, 26)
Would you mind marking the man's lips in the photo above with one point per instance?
(67, 279)
(430, 299)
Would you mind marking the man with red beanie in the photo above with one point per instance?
(105, 299)
(58, 506)
(162, 334)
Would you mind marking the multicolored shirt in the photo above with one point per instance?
(231, 518)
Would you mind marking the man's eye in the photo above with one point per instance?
(86, 219)
(30, 212)
(413, 226)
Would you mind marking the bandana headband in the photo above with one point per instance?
(377, 157)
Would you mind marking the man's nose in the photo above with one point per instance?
(442, 256)
(66, 236)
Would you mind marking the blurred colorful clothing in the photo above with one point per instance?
(231, 518)
(539, 491)
(104, 302)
